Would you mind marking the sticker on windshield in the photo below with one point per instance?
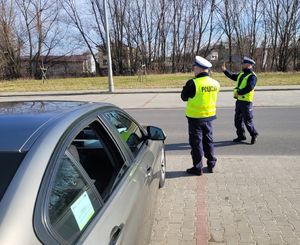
(82, 210)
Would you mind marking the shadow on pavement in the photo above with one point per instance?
(177, 147)
(176, 174)
(229, 143)
(186, 146)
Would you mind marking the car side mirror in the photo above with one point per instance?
(155, 133)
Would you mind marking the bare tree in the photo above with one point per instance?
(39, 20)
(287, 33)
(139, 34)
(177, 7)
(283, 27)
(225, 13)
(118, 10)
(213, 30)
(10, 44)
(150, 28)
(86, 29)
(193, 31)
(246, 17)
(264, 44)
(253, 26)
(296, 56)
(163, 28)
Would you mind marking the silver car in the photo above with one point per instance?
(77, 173)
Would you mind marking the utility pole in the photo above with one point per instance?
(109, 63)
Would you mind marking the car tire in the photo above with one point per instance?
(163, 165)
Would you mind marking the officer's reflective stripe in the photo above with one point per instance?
(203, 104)
(246, 97)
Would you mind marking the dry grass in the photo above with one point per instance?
(134, 82)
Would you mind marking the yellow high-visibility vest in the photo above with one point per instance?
(246, 97)
(203, 104)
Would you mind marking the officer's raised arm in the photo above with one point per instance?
(232, 76)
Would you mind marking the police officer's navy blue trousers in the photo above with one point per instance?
(201, 142)
(244, 115)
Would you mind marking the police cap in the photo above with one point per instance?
(248, 60)
(202, 63)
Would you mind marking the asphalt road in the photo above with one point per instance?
(278, 127)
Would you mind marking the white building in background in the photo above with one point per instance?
(213, 55)
(89, 65)
(62, 66)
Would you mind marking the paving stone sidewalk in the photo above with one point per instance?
(248, 200)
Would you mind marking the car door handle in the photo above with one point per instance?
(115, 234)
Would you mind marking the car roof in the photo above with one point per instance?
(21, 121)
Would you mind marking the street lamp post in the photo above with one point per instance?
(110, 76)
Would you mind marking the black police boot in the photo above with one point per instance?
(210, 169)
(239, 139)
(254, 139)
(195, 171)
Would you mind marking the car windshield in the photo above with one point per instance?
(9, 163)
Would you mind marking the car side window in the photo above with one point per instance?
(87, 174)
(129, 131)
(99, 157)
(72, 203)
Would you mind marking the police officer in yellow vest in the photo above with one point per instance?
(243, 93)
(201, 95)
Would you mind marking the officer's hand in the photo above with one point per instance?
(223, 67)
